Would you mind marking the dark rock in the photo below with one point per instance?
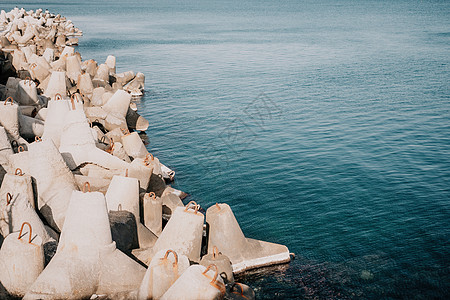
(124, 230)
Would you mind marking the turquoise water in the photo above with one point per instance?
(325, 125)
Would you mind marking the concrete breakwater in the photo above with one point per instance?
(81, 198)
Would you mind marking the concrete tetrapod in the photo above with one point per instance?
(9, 119)
(40, 60)
(49, 55)
(78, 144)
(28, 110)
(118, 151)
(59, 64)
(107, 95)
(167, 173)
(123, 194)
(28, 51)
(14, 211)
(42, 114)
(98, 184)
(54, 119)
(26, 93)
(153, 213)
(93, 170)
(5, 145)
(118, 104)
(56, 84)
(21, 261)
(73, 68)
(156, 183)
(5, 152)
(170, 201)
(136, 121)
(115, 135)
(101, 77)
(90, 66)
(222, 262)
(163, 271)
(23, 39)
(111, 63)
(30, 127)
(84, 84)
(178, 193)
(11, 86)
(96, 98)
(183, 232)
(19, 60)
(197, 283)
(133, 145)
(125, 77)
(39, 71)
(244, 253)
(142, 171)
(86, 261)
(18, 183)
(19, 160)
(54, 182)
(76, 102)
(150, 160)
(136, 86)
(67, 51)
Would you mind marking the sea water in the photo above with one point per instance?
(325, 125)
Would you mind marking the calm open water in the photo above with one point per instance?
(325, 125)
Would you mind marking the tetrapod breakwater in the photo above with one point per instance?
(85, 210)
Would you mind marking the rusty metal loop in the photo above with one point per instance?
(9, 99)
(28, 81)
(21, 148)
(8, 198)
(111, 143)
(175, 255)
(196, 206)
(37, 139)
(217, 284)
(146, 160)
(88, 185)
(241, 287)
(58, 96)
(111, 147)
(19, 172)
(21, 229)
(152, 195)
(216, 272)
(33, 66)
(125, 131)
(149, 155)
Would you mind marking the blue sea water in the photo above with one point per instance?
(325, 125)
